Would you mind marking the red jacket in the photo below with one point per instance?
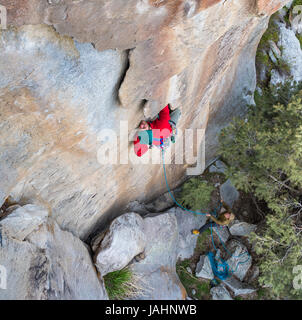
(161, 128)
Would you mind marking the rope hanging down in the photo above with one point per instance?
(221, 270)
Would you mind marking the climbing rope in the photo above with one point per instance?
(221, 270)
(169, 190)
(224, 265)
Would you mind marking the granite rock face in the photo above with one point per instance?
(156, 243)
(220, 293)
(158, 268)
(222, 232)
(124, 240)
(228, 193)
(204, 269)
(291, 55)
(186, 222)
(240, 261)
(43, 262)
(71, 69)
(284, 53)
(24, 220)
(238, 287)
(241, 228)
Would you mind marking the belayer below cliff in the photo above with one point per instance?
(224, 218)
(158, 132)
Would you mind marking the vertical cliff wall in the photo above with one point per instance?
(69, 69)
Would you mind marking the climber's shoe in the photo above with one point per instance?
(195, 231)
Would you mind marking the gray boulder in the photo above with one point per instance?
(241, 261)
(272, 57)
(222, 232)
(240, 228)
(49, 263)
(204, 269)
(277, 77)
(229, 193)
(291, 51)
(296, 25)
(186, 222)
(220, 293)
(124, 240)
(218, 166)
(275, 50)
(238, 287)
(189, 270)
(291, 54)
(136, 206)
(158, 271)
(162, 203)
(24, 220)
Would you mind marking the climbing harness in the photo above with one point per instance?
(164, 143)
(221, 270)
(146, 137)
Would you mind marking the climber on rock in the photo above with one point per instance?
(224, 218)
(156, 132)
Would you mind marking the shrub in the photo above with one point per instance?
(299, 36)
(272, 34)
(122, 284)
(279, 247)
(195, 194)
(263, 153)
(190, 282)
(262, 56)
(296, 3)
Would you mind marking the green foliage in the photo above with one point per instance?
(195, 194)
(280, 250)
(289, 10)
(287, 17)
(262, 56)
(263, 154)
(190, 282)
(263, 293)
(283, 66)
(299, 36)
(201, 240)
(271, 34)
(119, 284)
(296, 3)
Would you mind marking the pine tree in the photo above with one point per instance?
(195, 194)
(263, 153)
